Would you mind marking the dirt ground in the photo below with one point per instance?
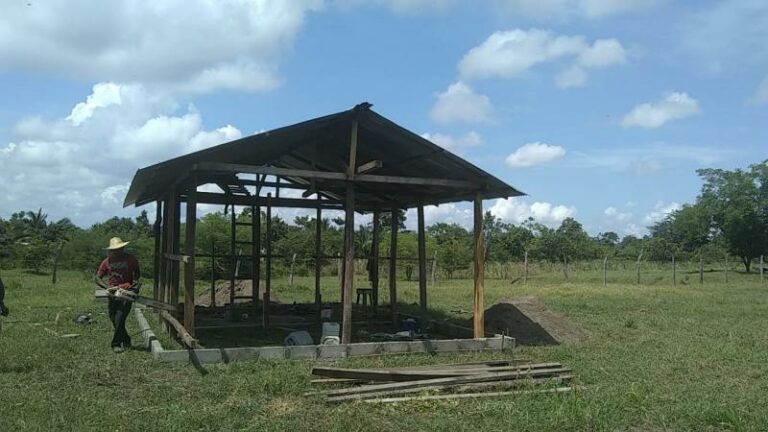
(530, 322)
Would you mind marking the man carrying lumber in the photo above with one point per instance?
(123, 272)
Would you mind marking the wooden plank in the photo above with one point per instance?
(349, 266)
(452, 380)
(243, 200)
(255, 253)
(154, 303)
(268, 270)
(394, 228)
(178, 257)
(325, 175)
(406, 374)
(454, 387)
(479, 269)
(375, 240)
(473, 395)
(318, 253)
(163, 285)
(422, 263)
(232, 245)
(369, 166)
(156, 260)
(189, 264)
(352, 163)
(175, 267)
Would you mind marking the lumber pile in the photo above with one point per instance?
(448, 381)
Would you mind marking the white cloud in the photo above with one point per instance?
(455, 144)
(562, 9)
(651, 158)
(673, 106)
(615, 215)
(407, 7)
(447, 213)
(77, 166)
(459, 103)
(761, 95)
(197, 45)
(516, 210)
(535, 153)
(660, 211)
(508, 54)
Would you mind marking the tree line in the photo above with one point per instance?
(729, 217)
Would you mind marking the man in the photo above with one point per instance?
(3, 308)
(123, 272)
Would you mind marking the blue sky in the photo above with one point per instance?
(598, 109)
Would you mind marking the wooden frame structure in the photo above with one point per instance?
(399, 170)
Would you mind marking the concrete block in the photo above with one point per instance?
(446, 345)
(240, 354)
(331, 351)
(272, 353)
(365, 349)
(301, 352)
(208, 355)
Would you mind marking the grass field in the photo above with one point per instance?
(657, 357)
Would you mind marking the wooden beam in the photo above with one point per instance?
(181, 332)
(318, 253)
(369, 166)
(161, 295)
(352, 165)
(479, 269)
(325, 175)
(176, 235)
(422, 264)
(156, 230)
(178, 257)
(349, 265)
(255, 252)
(268, 274)
(393, 264)
(217, 198)
(233, 259)
(375, 259)
(189, 266)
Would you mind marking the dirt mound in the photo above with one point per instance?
(530, 322)
(243, 288)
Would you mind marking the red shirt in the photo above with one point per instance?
(121, 270)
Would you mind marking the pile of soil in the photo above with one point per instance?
(530, 322)
(242, 288)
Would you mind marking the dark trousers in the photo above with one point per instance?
(118, 314)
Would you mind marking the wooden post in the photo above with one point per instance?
(175, 265)
(605, 271)
(290, 271)
(422, 264)
(349, 264)
(156, 258)
(639, 258)
(434, 269)
(256, 234)
(479, 261)
(268, 270)
(701, 268)
(189, 266)
(56, 262)
(255, 253)
(525, 267)
(674, 271)
(375, 260)
(163, 284)
(232, 259)
(565, 268)
(213, 274)
(394, 227)
(318, 251)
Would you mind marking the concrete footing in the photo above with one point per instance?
(319, 352)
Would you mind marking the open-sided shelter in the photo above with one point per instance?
(354, 160)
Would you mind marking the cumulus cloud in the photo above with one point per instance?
(761, 94)
(535, 153)
(180, 43)
(516, 210)
(459, 103)
(563, 9)
(77, 165)
(660, 211)
(456, 144)
(508, 54)
(614, 214)
(407, 7)
(651, 115)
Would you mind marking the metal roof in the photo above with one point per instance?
(322, 144)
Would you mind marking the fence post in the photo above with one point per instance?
(605, 271)
(290, 275)
(674, 271)
(525, 268)
(434, 268)
(701, 268)
(639, 258)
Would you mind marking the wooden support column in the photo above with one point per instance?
(395, 226)
(318, 253)
(375, 259)
(189, 266)
(268, 273)
(165, 248)
(176, 235)
(349, 239)
(349, 265)
(157, 252)
(422, 265)
(255, 253)
(479, 267)
(232, 258)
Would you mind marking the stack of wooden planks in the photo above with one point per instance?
(447, 381)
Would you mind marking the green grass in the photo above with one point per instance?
(657, 357)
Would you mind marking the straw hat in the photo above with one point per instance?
(116, 243)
